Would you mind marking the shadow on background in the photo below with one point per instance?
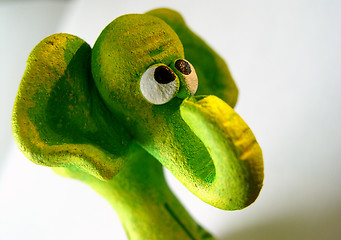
(316, 224)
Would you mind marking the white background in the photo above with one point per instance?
(286, 59)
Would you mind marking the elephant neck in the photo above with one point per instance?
(144, 203)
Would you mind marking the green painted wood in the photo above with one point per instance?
(81, 111)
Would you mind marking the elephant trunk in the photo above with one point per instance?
(233, 149)
(207, 146)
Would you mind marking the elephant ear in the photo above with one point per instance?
(213, 73)
(59, 119)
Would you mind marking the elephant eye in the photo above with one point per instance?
(183, 66)
(188, 72)
(159, 84)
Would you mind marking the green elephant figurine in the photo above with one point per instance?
(112, 115)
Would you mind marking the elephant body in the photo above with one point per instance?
(144, 203)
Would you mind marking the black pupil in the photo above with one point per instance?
(183, 66)
(164, 75)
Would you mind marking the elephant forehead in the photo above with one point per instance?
(135, 41)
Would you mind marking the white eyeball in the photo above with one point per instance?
(159, 84)
(188, 71)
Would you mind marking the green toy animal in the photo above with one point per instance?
(110, 115)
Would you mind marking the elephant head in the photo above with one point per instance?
(146, 81)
